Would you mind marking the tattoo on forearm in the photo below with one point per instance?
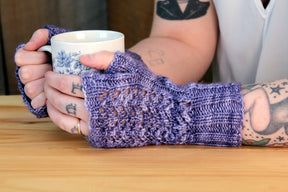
(276, 90)
(76, 86)
(71, 109)
(171, 9)
(266, 114)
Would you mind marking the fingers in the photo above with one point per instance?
(38, 101)
(30, 73)
(33, 78)
(68, 105)
(99, 61)
(65, 103)
(23, 57)
(66, 122)
(28, 54)
(34, 88)
(68, 84)
(35, 91)
(38, 39)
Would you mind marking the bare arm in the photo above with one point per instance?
(182, 41)
(266, 114)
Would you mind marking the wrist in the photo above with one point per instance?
(210, 114)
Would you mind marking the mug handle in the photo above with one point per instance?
(45, 48)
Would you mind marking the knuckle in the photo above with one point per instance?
(62, 84)
(56, 101)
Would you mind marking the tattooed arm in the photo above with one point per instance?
(266, 114)
(183, 39)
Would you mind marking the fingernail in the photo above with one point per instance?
(35, 105)
(17, 56)
(25, 74)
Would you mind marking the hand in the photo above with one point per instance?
(65, 102)
(131, 106)
(33, 66)
(65, 99)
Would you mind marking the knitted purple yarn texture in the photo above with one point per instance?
(129, 106)
(40, 112)
(53, 30)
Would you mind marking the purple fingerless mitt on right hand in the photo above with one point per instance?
(129, 106)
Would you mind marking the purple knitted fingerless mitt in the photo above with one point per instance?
(40, 112)
(129, 106)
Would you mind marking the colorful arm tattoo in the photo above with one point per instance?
(266, 114)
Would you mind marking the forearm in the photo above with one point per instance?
(173, 59)
(180, 48)
(266, 114)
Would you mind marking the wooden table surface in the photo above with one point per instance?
(37, 156)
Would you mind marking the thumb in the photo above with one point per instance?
(38, 39)
(100, 60)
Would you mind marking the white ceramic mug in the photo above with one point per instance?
(66, 48)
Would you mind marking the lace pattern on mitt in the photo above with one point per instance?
(129, 106)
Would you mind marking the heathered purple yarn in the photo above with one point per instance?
(129, 106)
(40, 112)
(146, 109)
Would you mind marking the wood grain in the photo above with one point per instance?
(37, 156)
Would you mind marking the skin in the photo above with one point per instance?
(167, 48)
(266, 114)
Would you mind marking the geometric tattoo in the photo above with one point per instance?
(171, 9)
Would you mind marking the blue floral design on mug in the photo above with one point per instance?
(68, 63)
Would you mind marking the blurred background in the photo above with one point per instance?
(20, 18)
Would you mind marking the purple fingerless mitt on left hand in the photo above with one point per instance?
(129, 106)
(40, 112)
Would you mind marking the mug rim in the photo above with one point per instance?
(55, 38)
